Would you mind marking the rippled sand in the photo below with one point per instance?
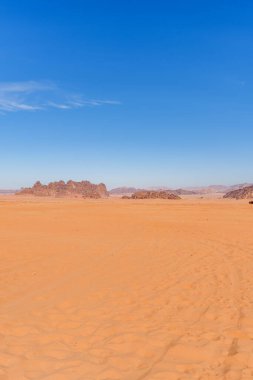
(131, 290)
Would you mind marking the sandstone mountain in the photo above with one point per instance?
(244, 193)
(153, 195)
(71, 188)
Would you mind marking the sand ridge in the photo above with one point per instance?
(131, 290)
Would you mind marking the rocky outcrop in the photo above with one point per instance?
(71, 188)
(153, 195)
(244, 193)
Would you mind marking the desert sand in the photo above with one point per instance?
(125, 289)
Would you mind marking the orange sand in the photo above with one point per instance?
(131, 290)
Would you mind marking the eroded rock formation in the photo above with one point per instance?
(244, 193)
(71, 188)
(153, 195)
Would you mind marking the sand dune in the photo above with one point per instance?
(131, 290)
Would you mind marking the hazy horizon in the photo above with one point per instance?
(155, 186)
(127, 94)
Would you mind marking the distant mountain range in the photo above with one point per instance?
(128, 191)
(218, 188)
(211, 189)
(131, 190)
(124, 190)
(8, 191)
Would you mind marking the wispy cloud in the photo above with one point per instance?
(35, 96)
(25, 87)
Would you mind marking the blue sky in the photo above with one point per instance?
(126, 92)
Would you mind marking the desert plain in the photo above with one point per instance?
(126, 289)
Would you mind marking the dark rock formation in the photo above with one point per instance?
(153, 195)
(83, 189)
(244, 193)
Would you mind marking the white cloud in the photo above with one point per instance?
(26, 87)
(34, 96)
